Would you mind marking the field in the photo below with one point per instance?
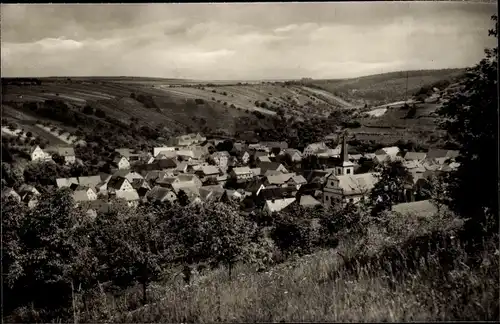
(380, 89)
(180, 105)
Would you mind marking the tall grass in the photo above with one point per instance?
(373, 281)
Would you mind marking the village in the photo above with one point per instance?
(264, 175)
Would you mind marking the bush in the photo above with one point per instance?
(199, 101)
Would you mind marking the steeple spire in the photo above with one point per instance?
(345, 156)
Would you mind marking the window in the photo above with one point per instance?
(348, 171)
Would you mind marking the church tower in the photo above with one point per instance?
(346, 167)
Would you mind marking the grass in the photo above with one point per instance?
(322, 287)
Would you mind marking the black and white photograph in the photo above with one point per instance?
(269, 162)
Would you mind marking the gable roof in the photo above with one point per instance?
(356, 183)
(279, 179)
(391, 150)
(256, 171)
(277, 193)
(209, 170)
(65, 182)
(81, 195)
(242, 170)
(124, 152)
(90, 181)
(308, 201)
(116, 182)
(128, 195)
(220, 154)
(276, 205)
(61, 150)
(265, 166)
(299, 179)
(158, 193)
(211, 192)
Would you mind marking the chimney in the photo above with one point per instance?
(345, 156)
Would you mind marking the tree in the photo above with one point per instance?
(50, 251)
(131, 245)
(182, 198)
(58, 158)
(292, 232)
(389, 190)
(471, 120)
(88, 110)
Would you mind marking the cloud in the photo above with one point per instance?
(241, 41)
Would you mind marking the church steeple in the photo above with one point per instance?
(343, 153)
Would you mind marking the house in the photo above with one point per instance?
(382, 158)
(66, 182)
(313, 148)
(308, 201)
(257, 172)
(189, 139)
(272, 166)
(297, 181)
(214, 192)
(182, 167)
(87, 194)
(90, 181)
(140, 184)
(121, 162)
(130, 196)
(161, 194)
(126, 152)
(415, 156)
(276, 193)
(68, 153)
(392, 151)
(355, 157)
(294, 154)
(244, 157)
(263, 159)
(9, 193)
(166, 155)
(271, 145)
(437, 153)
(279, 180)
(127, 174)
(37, 154)
(253, 188)
(221, 159)
(340, 189)
(161, 149)
(207, 172)
(242, 174)
(369, 156)
(276, 205)
(119, 184)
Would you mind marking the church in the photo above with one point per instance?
(342, 186)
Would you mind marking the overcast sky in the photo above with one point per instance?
(241, 40)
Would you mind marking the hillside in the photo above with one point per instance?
(175, 106)
(381, 89)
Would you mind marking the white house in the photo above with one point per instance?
(37, 154)
(119, 184)
(87, 194)
(221, 159)
(341, 189)
(276, 205)
(313, 148)
(242, 174)
(158, 150)
(122, 163)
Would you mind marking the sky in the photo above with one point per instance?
(242, 41)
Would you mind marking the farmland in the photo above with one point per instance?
(176, 105)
